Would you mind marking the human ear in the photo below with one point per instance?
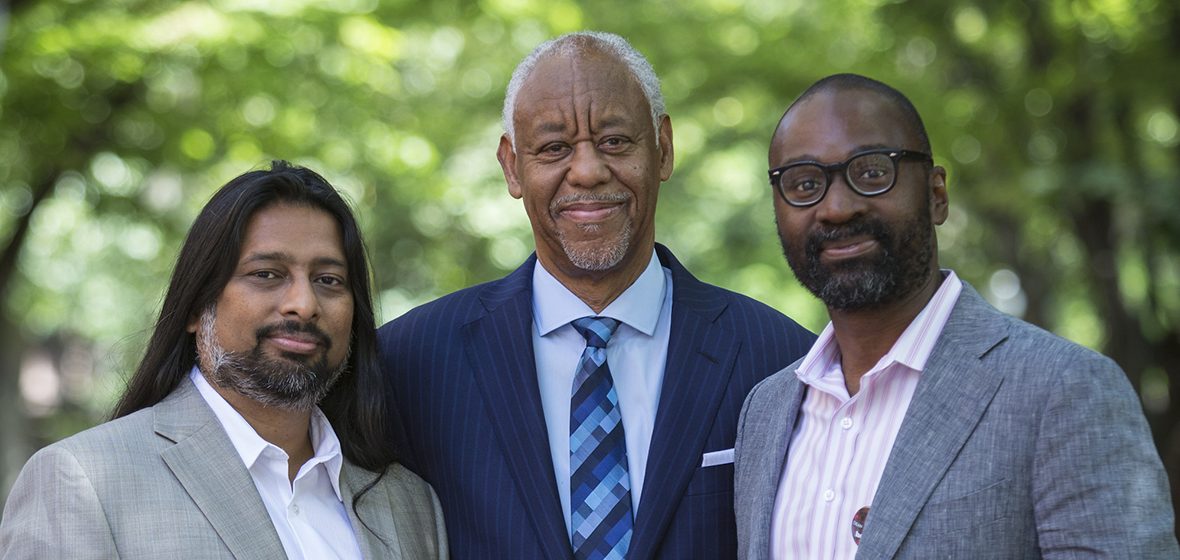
(667, 155)
(939, 202)
(506, 154)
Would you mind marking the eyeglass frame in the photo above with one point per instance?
(828, 168)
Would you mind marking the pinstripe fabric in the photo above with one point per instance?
(1016, 444)
(456, 361)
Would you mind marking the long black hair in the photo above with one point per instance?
(357, 406)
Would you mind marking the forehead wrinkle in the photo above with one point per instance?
(577, 98)
(553, 117)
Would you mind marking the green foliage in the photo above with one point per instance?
(1058, 123)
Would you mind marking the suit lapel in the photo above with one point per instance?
(952, 396)
(385, 544)
(700, 361)
(500, 351)
(211, 471)
(765, 444)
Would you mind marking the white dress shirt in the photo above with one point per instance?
(636, 354)
(308, 514)
(841, 443)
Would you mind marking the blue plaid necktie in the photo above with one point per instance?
(600, 488)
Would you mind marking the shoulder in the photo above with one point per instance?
(719, 303)
(109, 439)
(92, 459)
(1094, 459)
(762, 328)
(1038, 343)
(403, 481)
(417, 514)
(456, 302)
(770, 391)
(397, 483)
(449, 311)
(688, 291)
(1049, 357)
(1018, 348)
(412, 500)
(747, 306)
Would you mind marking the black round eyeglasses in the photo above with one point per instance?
(869, 173)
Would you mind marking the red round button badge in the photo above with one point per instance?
(858, 523)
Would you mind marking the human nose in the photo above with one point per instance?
(587, 167)
(300, 300)
(840, 203)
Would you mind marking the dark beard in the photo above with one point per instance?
(898, 270)
(290, 382)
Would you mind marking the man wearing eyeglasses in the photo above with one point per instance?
(924, 423)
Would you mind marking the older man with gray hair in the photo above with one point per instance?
(585, 405)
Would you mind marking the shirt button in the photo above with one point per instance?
(846, 422)
(295, 509)
(829, 495)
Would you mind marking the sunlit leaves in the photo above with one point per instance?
(137, 111)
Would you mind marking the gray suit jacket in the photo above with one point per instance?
(1017, 444)
(166, 482)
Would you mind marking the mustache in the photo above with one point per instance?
(294, 327)
(861, 227)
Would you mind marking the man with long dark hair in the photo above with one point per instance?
(218, 448)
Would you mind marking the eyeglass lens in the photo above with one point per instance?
(868, 173)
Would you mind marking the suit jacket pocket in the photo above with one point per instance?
(709, 480)
(967, 511)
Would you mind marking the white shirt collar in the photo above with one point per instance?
(250, 446)
(638, 307)
(911, 349)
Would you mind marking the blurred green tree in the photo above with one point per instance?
(1059, 122)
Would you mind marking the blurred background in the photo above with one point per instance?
(1057, 121)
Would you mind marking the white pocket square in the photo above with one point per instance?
(714, 458)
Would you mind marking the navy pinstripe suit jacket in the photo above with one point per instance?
(465, 384)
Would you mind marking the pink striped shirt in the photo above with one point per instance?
(841, 443)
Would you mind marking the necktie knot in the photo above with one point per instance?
(596, 330)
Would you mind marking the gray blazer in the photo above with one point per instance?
(166, 482)
(1017, 444)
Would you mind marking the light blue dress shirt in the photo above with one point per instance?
(636, 353)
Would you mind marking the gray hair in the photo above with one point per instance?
(577, 42)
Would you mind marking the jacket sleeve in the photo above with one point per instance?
(1099, 487)
(54, 511)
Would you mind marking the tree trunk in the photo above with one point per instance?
(14, 440)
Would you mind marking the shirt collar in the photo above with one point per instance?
(638, 307)
(911, 349)
(250, 445)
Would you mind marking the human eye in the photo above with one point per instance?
(332, 280)
(553, 149)
(805, 186)
(263, 275)
(611, 143)
(803, 181)
(873, 172)
(871, 168)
